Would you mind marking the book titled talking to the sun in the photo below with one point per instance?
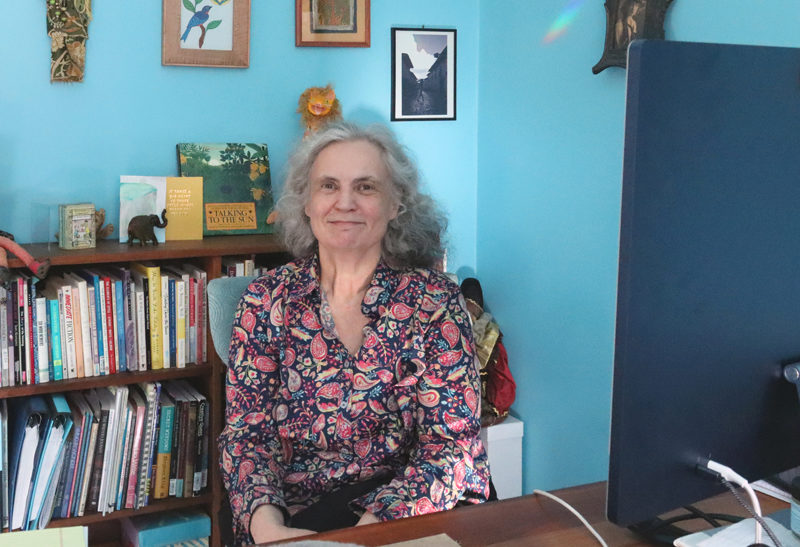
(237, 187)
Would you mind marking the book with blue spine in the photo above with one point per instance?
(120, 306)
(55, 333)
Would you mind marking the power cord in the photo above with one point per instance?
(726, 475)
(574, 512)
(750, 510)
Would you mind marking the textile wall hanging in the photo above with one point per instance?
(68, 28)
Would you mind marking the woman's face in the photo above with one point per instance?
(350, 203)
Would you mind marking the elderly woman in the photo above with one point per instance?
(353, 394)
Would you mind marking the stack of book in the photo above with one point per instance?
(101, 450)
(93, 322)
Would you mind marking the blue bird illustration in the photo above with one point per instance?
(197, 19)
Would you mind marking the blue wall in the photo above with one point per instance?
(63, 143)
(550, 157)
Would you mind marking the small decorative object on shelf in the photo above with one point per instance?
(318, 106)
(102, 232)
(76, 226)
(141, 227)
(39, 268)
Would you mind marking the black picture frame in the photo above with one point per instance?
(628, 20)
(423, 74)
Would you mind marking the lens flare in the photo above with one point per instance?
(564, 19)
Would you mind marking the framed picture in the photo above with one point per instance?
(423, 74)
(331, 23)
(627, 20)
(212, 33)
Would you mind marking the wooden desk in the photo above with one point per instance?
(524, 521)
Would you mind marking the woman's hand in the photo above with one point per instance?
(367, 518)
(266, 524)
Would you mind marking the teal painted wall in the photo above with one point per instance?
(63, 143)
(550, 139)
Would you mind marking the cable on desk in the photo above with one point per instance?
(750, 510)
(574, 512)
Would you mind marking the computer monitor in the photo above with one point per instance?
(708, 303)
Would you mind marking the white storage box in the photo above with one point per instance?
(503, 444)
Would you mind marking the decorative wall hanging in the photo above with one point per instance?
(331, 23)
(212, 33)
(68, 29)
(627, 20)
(423, 74)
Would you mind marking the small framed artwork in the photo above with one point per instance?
(423, 74)
(331, 23)
(213, 33)
(628, 20)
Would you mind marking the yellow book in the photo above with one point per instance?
(184, 208)
(152, 274)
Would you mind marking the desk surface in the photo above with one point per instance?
(527, 520)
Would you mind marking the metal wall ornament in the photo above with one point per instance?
(628, 20)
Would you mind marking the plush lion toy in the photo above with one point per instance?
(318, 106)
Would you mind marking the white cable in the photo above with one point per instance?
(732, 476)
(574, 512)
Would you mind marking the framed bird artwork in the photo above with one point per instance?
(214, 33)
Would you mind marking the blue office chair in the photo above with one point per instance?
(224, 294)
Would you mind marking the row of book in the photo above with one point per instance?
(93, 322)
(100, 450)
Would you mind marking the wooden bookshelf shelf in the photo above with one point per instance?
(207, 378)
(120, 379)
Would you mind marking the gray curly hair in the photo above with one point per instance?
(413, 239)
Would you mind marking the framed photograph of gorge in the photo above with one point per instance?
(331, 23)
(423, 74)
(213, 33)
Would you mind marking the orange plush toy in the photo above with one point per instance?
(318, 106)
(7, 243)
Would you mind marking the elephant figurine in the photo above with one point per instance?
(141, 227)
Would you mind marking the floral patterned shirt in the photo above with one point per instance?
(305, 417)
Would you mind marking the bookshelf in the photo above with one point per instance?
(208, 377)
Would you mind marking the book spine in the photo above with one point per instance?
(111, 329)
(20, 332)
(88, 423)
(152, 392)
(61, 488)
(141, 333)
(164, 453)
(99, 306)
(192, 355)
(173, 323)
(131, 347)
(30, 360)
(67, 482)
(201, 451)
(176, 477)
(33, 334)
(122, 480)
(88, 468)
(136, 454)
(97, 464)
(180, 325)
(4, 360)
(119, 326)
(9, 336)
(42, 341)
(55, 340)
(165, 322)
(156, 334)
(78, 333)
(202, 326)
(92, 309)
(189, 439)
(86, 328)
(69, 332)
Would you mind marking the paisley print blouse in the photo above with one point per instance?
(305, 417)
